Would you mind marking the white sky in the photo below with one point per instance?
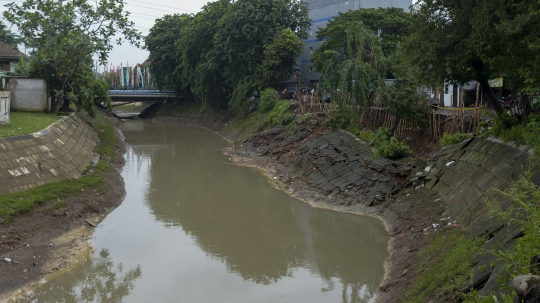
(144, 13)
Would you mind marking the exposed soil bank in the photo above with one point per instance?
(53, 236)
(404, 214)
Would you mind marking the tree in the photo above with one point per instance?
(7, 36)
(445, 44)
(353, 67)
(392, 25)
(243, 34)
(162, 43)
(65, 36)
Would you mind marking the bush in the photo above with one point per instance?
(268, 100)
(279, 114)
(448, 139)
(339, 118)
(393, 149)
(388, 146)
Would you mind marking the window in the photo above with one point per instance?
(311, 50)
(446, 88)
(5, 65)
(311, 68)
(331, 8)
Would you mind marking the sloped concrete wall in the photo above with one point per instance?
(61, 151)
(463, 176)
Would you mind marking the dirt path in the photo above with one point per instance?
(53, 236)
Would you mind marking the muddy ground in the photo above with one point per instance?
(54, 234)
(409, 216)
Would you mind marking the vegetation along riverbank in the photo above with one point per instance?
(43, 229)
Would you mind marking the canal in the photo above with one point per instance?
(195, 228)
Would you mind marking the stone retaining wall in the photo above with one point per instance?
(61, 151)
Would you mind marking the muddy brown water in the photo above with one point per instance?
(195, 228)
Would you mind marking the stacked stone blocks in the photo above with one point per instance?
(61, 151)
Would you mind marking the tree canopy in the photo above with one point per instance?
(231, 49)
(65, 36)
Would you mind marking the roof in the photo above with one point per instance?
(7, 52)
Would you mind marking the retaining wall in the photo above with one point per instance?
(61, 151)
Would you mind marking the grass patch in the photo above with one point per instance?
(17, 203)
(448, 139)
(24, 123)
(445, 267)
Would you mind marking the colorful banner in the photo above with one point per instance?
(122, 75)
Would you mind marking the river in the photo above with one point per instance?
(195, 228)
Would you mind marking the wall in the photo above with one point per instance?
(27, 94)
(4, 107)
(61, 151)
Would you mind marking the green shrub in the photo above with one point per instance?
(339, 118)
(503, 122)
(448, 139)
(393, 149)
(268, 100)
(388, 146)
(482, 129)
(279, 115)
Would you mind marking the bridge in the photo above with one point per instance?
(129, 96)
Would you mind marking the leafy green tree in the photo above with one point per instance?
(196, 43)
(7, 36)
(243, 34)
(162, 43)
(392, 25)
(445, 44)
(352, 68)
(65, 35)
(279, 57)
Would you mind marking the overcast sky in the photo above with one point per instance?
(144, 13)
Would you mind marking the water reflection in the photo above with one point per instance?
(203, 230)
(257, 231)
(96, 280)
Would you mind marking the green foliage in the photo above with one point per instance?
(339, 117)
(279, 115)
(482, 129)
(24, 123)
(392, 24)
(268, 100)
(306, 117)
(161, 42)
(448, 139)
(279, 57)
(445, 264)
(101, 91)
(7, 36)
(387, 146)
(17, 203)
(229, 49)
(524, 210)
(506, 128)
(64, 36)
(354, 67)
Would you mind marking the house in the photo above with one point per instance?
(8, 58)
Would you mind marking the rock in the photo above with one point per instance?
(533, 295)
(522, 283)
(534, 265)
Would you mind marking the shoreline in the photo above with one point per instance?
(56, 239)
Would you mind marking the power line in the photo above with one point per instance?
(145, 15)
(157, 9)
(153, 4)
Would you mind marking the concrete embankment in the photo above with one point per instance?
(61, 151)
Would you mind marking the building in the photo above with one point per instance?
(320, 12)
(8, 58)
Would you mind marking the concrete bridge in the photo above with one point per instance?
(129, 96)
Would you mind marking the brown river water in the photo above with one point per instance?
(195, 228)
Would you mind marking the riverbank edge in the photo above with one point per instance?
(68, 241)
(397, 265)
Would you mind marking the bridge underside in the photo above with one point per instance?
(140, 96)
